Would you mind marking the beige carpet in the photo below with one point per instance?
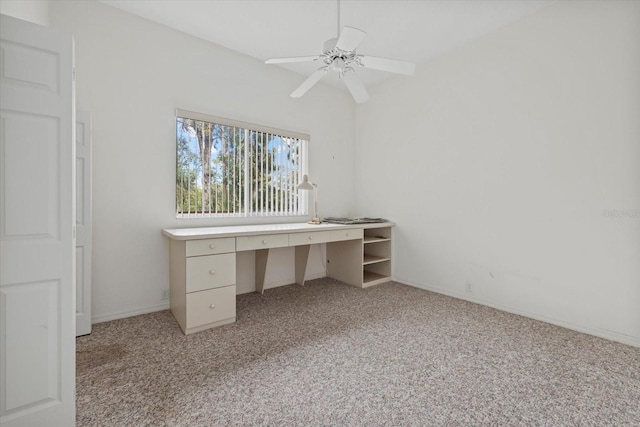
(328, 354)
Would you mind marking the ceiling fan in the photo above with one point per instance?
(339, 55)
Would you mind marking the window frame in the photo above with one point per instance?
(303, 198)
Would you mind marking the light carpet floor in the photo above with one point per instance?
(327, 354)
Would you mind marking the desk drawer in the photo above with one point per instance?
(348, 234)
(211, 306)
(211, 271)
(309, 238)
(210, 246)
(262, 241)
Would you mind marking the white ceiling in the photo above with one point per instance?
(411, 30)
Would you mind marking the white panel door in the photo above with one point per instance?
(83, 223)
(37, 223)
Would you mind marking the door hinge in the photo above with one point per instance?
(73, 74)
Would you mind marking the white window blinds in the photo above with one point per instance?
(230, 168)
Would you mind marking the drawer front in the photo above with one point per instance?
(210, 246)
(309, 238)
(211, 271)
(263, 241)
(348, 234)
(211, 306)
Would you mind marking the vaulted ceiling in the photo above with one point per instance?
(411, 30)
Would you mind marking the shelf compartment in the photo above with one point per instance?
(370, 278)
(375, 273)
(378, 250)
(384, 232)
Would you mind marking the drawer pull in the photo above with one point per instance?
(212, 306)
(310, 238)
(264, 242)
(212, 272)
(347, 234)
(212, 246)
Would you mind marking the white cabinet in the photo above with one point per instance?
(349, 234)
(212, 307)
(264, 241)
(309, 238)
(203, 283)
(210, 246)
(376, 259)
(363, 262)
(210, 271)
(203, 263)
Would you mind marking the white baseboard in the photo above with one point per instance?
(165, 306)
(602, 333)
(124, 314)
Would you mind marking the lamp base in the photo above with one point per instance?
(315, 221)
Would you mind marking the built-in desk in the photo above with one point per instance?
(203, 262)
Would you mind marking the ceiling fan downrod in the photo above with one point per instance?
(338, 30)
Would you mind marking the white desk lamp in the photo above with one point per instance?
(308, 185)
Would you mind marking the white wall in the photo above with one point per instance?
(502, 161)
(36, 11)
(131, 75)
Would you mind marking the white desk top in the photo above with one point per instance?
(248, 230)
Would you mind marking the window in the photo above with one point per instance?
(226, 168)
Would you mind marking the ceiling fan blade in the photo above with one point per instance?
(355, 86)
(350, 38)
(308, 84)
(292, 59)
(384, 64)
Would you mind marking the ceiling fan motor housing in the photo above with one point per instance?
(338, 59)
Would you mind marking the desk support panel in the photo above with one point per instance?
(262, 256)
(301, 260)
(302, 256)
(344, 261)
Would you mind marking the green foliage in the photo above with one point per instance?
(212, 170)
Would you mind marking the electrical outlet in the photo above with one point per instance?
(469, 287)
(165, 294)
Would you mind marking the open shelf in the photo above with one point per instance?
(372, 259)
(363, 262)
(376, 255)
(370, 278)
(374, 239)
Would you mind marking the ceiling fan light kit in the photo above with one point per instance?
(339, 55)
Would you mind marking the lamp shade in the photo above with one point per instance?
(305, 184)
(308, 185)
